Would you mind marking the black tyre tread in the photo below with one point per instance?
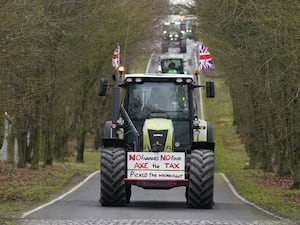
(183, 46)
(113, 169)
(201, 179)
(128, 192)
(164, 48)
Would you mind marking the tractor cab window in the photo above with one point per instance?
(173, 66)
(148, 97)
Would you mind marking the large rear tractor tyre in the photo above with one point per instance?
(113, 172)
(164, 46)
(183, 45)
(200, 191)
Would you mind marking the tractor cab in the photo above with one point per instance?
(172, 64)
(162, 102)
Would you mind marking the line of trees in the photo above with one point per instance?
(257, 45)
(52, 54)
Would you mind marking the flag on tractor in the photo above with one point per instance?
(205, 59)
(116, 57)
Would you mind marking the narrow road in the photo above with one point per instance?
(150, 206)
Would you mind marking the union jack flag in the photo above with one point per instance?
(205, 59)
(116, 57)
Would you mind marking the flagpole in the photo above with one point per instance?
(116, 58)
(115, 91)
(125, 47)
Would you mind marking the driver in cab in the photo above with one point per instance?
(157, 98)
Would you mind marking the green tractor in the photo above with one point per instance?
(156, 139)
(188, 26)
(172, 64)
(172, 37)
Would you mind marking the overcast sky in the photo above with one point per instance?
(180, 1)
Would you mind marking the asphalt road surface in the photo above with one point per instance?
(150, 206)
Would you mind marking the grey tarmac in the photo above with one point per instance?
(149, 222)
(163, 207)
(152, 207)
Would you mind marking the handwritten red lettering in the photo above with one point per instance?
(172, 165)
(141, 166)
(165, 157)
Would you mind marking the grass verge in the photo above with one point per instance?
(265, 189)
(22, 189)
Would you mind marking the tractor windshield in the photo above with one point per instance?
(148, 97)
(173, 66)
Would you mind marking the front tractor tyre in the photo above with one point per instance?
(200, 191)
(113, 171)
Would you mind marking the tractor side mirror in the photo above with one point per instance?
(102, 87)
(210, 89)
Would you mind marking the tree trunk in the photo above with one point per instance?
(97, 140)
(266, 163)
(11, 144)
(296, 175)
(80, 147)
(21, 149)
(48, 154)
(35, 149)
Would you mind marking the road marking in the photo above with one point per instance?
(233, 190)
(149, 221)
(60, 197)
(236, 194)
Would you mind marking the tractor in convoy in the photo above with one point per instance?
(172, 64)
(156, 138)
(172, 37)
(188, 25)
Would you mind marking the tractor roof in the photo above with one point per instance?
(161, 77)
(172, 56)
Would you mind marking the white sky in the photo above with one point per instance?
(180, 1)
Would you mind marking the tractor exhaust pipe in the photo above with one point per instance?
(115, 104)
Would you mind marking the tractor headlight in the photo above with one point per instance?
(188, 81)
(177, 144)
(138, 80)
(196, 132)
(146, 148)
